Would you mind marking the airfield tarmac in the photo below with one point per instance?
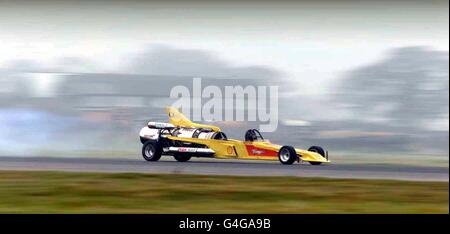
(167, 165)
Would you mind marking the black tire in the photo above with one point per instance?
(151, 151)
(318, 150)
(182, 157)
(287, 155)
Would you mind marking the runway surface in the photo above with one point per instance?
(226, 167)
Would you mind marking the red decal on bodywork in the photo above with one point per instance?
(255, 151)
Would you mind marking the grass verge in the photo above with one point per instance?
(73, 192)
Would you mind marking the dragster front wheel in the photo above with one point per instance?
(151, 151)
(319, 150)
(287, 155)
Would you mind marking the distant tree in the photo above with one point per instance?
(408, 88)
(171, 61)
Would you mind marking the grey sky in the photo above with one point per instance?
(313, 42)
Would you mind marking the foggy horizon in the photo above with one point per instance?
(311, 42)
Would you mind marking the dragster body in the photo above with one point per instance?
(184, 139)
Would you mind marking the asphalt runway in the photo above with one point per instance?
(226, 167)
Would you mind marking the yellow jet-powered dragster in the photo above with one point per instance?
(184, 139)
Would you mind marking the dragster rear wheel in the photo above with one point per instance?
(318, 150)
(182, 157)
(287, 155)
(151, 151)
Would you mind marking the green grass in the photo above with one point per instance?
(67, 192)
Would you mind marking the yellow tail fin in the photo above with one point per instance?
(178, 119)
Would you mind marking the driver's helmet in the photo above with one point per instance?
(250, 135)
